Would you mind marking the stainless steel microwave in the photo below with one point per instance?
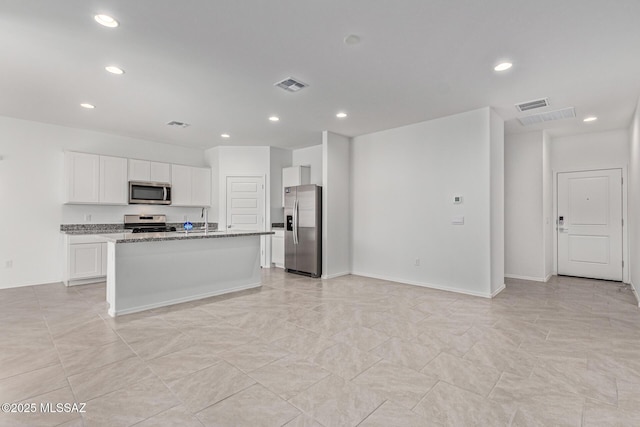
(149, 193)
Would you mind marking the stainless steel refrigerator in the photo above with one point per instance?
(303, 230)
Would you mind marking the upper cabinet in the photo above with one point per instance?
(96, 179)
(82, 175)
(295, 175)
(113, 181)
(190, 186)
(144, 170)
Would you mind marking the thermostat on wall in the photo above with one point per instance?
(457, 200)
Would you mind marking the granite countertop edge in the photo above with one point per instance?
(154, 237)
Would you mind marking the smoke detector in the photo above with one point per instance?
(565, 113)
(178, 124)
(531, 105)
(291, 84)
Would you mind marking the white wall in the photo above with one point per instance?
(403, 183)
(32, 190)
(496, 170)
(279, 158)
(524, 188)
(598, 150)
(242, 161)
(548, 223)
(310, 156)
(336, 201)
(634, 200)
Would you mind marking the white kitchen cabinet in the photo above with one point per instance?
(85, 260)
(295, 175)
(277, 248)
(160, 172)
(180, 185)
(103, 270)
(190, 186)
(94, 179)
(200, 186)
(144, 170)
(113, 181)
(82, 175)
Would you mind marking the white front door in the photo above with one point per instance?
(590, 224)
(245, 203)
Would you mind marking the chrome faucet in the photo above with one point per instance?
(205, 215)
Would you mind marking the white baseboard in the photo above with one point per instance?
(546, 279)
(425, 285)
(533, 279)
(181, 300)
(633, 288)
(497, 291)
(23, 285)
(333, 276)
(86, 281)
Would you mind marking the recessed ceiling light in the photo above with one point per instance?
(225, 135)
(106, 20)
(89, 106)
(274, 118)
(114, 70)
(341, 115)
(590, 119)
(351, 40)
(503, 66)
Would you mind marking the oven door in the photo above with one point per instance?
(149, 193)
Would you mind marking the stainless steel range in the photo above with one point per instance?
(147, 223)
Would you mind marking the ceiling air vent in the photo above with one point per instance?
(531, 105)
(291, 84)
(565, 113)
(178, 124)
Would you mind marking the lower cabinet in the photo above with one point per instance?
(277, 248)
(86, 261)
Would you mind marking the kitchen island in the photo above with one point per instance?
(151, 270)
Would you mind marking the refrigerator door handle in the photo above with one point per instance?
(295, 222)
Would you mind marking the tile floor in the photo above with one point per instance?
(347, 351)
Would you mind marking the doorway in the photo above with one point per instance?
(245, 203)
(590, 224)
(245, 208)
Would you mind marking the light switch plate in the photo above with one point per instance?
(457, 220)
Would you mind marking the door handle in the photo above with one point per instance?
(295, 222)
(563, 229)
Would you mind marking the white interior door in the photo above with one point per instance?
(590, 224)
(245, 203)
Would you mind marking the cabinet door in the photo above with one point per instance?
(200, 187)
(113, 180)
(160, 172)
(180, 185)
(277, 248)
(295, 175)
(103, 248)
(82, 174)
(85, 260)
(139, 170)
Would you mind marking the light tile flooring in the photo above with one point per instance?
(347, 351)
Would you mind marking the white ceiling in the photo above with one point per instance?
(213, 64)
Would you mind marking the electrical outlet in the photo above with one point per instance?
(87, 218)
(8, 263)
(417, 262)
